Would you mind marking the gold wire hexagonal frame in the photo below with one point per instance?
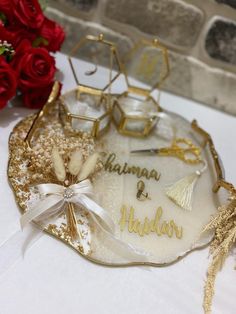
(165, 71)
(113, 54)
(148, 122)
(96, 130)
(143, 92)
(104, 93)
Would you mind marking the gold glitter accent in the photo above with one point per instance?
(29, 166)
(21, 190)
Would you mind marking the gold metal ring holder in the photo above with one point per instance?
(100, 98)
(135, 110)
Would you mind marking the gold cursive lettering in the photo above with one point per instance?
(168, 228)
(111, 166)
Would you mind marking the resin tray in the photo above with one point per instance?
(177, 231)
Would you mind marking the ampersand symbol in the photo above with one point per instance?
(141, 196)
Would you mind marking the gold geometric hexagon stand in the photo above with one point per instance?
(88, 108)
(135, 110)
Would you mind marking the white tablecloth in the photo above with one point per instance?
(54, 279)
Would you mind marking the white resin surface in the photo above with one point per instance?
(75, 285)
(115, 190)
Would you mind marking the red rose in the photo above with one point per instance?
(53, 33)
(35, 98)
(35, 66)
(21, 33)
(22, 48)
(5, 7)
(14, 35)
(6, 35)
(8, 82)
(28, 13)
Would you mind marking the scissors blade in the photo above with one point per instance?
(150, 151)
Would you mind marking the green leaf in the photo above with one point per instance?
(3, 18)
(38, 41)
(2, 50)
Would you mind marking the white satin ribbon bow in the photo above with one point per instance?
(54, 199)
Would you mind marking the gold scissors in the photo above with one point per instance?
(181, 148)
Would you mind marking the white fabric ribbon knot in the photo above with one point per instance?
(56, 196)
(53, 201)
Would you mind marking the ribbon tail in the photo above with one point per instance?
(51, 204)
(94, 208)
(15, 247)
(119, 247)
(102, 219)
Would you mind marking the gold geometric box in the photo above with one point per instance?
(135, 111)
(88, 107)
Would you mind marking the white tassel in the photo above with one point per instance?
(181, 192)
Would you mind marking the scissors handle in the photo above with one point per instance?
(188, 153)
(190, 156)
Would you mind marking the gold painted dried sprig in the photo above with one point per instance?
(224, 224)
(32, 165)
(39, 155)
(76, 171)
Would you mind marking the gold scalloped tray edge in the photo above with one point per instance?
(29, 119)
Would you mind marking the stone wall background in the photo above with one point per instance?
(200, 36)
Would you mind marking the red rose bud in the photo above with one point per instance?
(28, 13)
(53, 33)
(8, 82)
(35, 66)
(37, 97)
